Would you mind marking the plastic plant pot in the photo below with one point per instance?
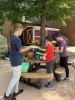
(25, 67)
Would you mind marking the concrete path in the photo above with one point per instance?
(71, 49)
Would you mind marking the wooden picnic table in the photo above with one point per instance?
(33, 73)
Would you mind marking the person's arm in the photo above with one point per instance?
(59, 51)
(43, 54)
(19, 46)
(24, 50)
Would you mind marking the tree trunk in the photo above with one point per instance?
(42, 34)
(43, 20)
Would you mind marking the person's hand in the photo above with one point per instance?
(43, 54)
(27, 48)
(56, 50)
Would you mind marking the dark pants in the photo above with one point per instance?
(64, 63)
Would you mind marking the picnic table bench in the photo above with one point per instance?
(33, 74)
(27, 79)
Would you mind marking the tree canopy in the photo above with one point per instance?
(56, 10)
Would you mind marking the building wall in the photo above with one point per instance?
(68, 31)
(28, 33)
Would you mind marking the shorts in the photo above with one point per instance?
(49, 66)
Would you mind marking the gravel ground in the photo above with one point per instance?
(63, 90)
(71, 56)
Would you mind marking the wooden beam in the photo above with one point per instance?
(35, 75)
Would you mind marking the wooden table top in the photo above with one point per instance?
(36, 61)
(32, 61)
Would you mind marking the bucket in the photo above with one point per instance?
(25, 67)
(37, 57)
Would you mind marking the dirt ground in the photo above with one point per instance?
(63, 90)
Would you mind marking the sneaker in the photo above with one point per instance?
(51, 84)
(66, 79)
(47, 86)
(10, 97)
(19, 92)
(52, 87)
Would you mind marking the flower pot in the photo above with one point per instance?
(30, 55)
(37, 57)
(25, 67)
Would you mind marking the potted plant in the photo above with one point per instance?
(36, 42)
(31, 54)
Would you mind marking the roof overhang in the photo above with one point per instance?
(46, 28)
